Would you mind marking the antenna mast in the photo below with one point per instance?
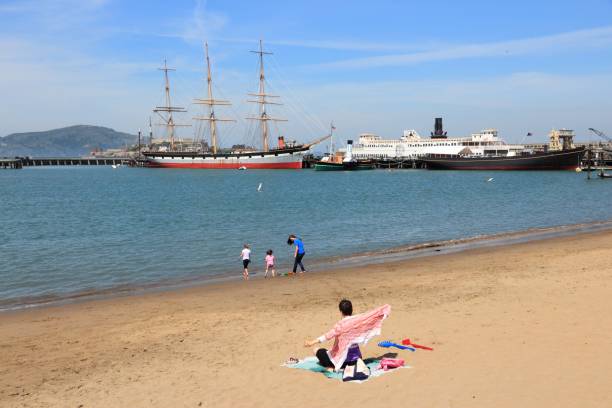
(331, 138)
(150, 134)
(211, 102)
(262, 101)
(168, 108)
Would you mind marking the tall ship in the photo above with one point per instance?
(285, 155)
(412, 146)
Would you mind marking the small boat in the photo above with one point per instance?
(339, 162)
(242, 168)
(604, 175)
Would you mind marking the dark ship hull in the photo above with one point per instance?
(561, 160)
(352, 165)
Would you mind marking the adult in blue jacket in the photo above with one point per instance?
(299, 252)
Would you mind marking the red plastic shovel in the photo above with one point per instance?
(407, 342)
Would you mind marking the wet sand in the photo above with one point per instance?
(523, 325)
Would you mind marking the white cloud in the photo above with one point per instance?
(54, 15)
(202, 23)
(589, 38)
(516, 104)
(344, 45)
(52, 87)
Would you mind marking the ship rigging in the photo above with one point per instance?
(284, 156)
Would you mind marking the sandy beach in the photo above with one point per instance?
(524, 325)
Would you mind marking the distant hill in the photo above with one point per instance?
(69, 141)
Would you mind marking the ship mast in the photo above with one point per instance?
(211, 102)
(262, 101)
(168, 108)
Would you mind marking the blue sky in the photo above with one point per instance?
(384, 66)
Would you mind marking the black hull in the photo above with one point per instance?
(356, 165)
(563, 160)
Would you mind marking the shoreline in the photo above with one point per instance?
(500, 319)
(381, 256)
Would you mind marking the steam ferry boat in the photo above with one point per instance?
(560, 154)
(412, 146)
(481, 151)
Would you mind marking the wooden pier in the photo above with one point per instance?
(74, 161)
(20, 162)
(10, 164)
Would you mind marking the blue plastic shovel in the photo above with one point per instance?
(387, 344)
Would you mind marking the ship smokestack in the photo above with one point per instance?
(438, 132)
(349, 151)
(281, 142)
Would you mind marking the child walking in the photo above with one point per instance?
(270, 263)
(246, 259)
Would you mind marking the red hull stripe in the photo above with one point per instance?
(288, 165)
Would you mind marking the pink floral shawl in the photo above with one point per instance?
(358, 329)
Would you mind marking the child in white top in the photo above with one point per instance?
(270, 263)
(246, 258)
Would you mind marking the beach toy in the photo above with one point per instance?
(387, 363)
(407, 342)
(387, 344)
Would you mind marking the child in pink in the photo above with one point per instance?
(270, 263)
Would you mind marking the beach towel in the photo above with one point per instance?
(356, 329)
(312, 364)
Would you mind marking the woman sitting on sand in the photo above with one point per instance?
(348, 333)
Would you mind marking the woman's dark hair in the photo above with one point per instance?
(346, 307)
(269, 252)
(290, 239)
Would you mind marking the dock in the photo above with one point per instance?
(74, 161)
(20, 162)
(10, 164)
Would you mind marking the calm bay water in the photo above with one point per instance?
(68, 230)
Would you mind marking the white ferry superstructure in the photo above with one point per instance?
(412, 146)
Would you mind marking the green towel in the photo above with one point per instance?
(312, 364)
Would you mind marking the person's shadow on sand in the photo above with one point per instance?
(386, 355)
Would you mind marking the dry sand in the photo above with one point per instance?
(526, 325)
